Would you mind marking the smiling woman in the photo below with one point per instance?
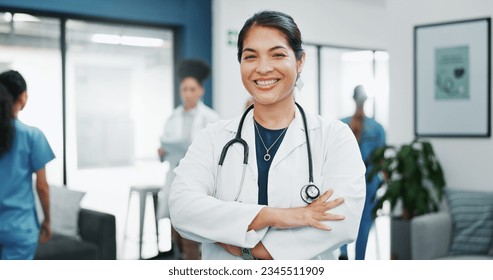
(315, 209)
(269, 67)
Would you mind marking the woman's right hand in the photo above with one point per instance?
(311, 215)
(315, 213)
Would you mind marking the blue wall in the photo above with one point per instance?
(191, 18)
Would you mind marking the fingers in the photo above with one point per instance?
(225, 246)
(44, 236)
(326, 195)
(320, 209)
(321, 226)
(322, 204)
(334, 203)
(333, 217)
(328, 217)
(317, 221)
(231, 249)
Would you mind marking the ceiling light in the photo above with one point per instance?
(7, 17)
(141, 41)
(127, 40)
(24, 17)
(106, 39)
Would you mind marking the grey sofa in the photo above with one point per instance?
(463, 229)
(97, 240)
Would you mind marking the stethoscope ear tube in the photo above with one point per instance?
(310, 192)
(308, 149)
(229, 144)
(219, 171)
(237, 139)
(226, 147)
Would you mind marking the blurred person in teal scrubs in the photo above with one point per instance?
(370, 135)
(24, 150)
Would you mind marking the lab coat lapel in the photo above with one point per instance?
(178, 129)
(200, 119)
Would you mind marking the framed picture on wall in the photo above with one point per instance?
(452, 79)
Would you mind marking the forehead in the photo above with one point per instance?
(260, 36)
(190, 81)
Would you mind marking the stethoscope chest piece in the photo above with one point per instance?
(309, 193)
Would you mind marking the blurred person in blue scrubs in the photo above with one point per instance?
(370, 135)
(24, 150)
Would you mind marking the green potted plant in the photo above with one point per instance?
(412, 175)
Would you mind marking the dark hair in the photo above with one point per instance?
(195, 68)
(6, 116)
(276, 20)
(14, 82)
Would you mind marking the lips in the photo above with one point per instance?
(266, 83)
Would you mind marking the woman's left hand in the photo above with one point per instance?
(233, 250)
(259, 251)
(45, 232)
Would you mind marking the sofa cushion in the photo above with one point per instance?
(62, 247)
(64, 210)
(472, 217)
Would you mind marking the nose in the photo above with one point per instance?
(264, 66)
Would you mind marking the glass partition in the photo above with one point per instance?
(330, 75)
(119, 94)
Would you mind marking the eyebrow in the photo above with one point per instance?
(271, 49)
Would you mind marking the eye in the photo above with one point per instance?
(248, 57)
(279, 55)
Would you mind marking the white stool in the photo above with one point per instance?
(143, 191)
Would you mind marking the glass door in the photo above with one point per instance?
(119, 94)
(341, 70)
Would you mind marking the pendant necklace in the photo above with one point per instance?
(267, 155)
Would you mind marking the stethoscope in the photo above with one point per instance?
(308, 192)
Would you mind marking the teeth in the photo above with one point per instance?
(265, 83)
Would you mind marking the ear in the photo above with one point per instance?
(22, 100)
(301, 63)
(202, 91)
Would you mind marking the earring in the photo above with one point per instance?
(299, 82)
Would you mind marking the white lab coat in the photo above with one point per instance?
(174, 132)
(337, 164)
(173, 129)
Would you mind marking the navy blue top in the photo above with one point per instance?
(269, 136)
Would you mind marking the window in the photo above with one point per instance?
(334, 72)
(119, 93)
